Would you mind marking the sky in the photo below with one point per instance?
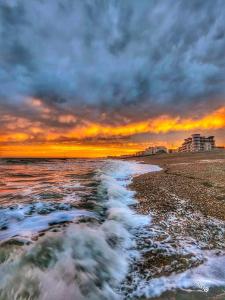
(89, 78)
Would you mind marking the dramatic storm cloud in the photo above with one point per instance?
(65, 63)
(112, 52)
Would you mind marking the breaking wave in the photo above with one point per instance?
(87, 259)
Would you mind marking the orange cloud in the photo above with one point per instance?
(67, 119)
(62, 150)
(162, 124)
(16, 137)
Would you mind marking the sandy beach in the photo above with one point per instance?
(186, 201)
(196, 177)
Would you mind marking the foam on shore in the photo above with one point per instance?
(87, 261)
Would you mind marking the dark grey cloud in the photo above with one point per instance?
(164, 55)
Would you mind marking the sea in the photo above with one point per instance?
(69, 229)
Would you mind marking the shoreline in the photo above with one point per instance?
(186, 202)
(196, 177)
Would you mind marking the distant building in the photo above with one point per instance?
(220, 148)
(155, 149)
(140, 153)
(197, 143)
(152, 150)
(172, 150)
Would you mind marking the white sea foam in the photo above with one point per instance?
(21, 225)
(170, 237)
(210, 274)
(89, 260)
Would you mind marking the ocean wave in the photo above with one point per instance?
(85, 261)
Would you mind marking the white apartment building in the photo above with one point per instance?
(197, 143)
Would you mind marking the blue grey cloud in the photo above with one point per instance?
(113, 54)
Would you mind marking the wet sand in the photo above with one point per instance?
(196, 177)
(191, 186)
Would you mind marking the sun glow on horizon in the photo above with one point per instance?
(23, 138)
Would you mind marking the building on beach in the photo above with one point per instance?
(155, 149)
(152, 150)
(197, 143)
(219, 148)
(172, 151)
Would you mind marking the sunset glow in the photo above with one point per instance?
(23, 138)
(108, 78)
(112, 149)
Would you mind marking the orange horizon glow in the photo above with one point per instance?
(162, 124)
(19, 139)
(64, 151)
